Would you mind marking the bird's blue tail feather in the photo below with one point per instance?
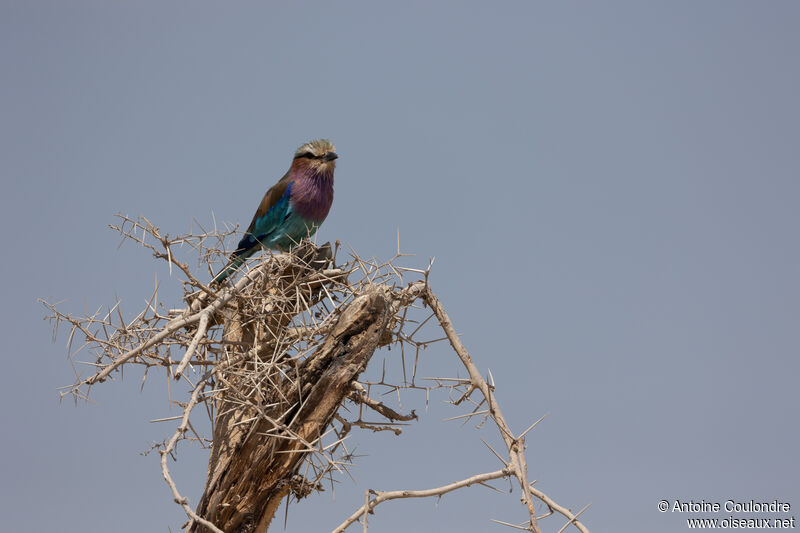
(234, 263)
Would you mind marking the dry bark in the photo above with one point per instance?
(250, 472)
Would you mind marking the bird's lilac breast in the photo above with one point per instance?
(312, 196)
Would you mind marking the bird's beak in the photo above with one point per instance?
(330, 156)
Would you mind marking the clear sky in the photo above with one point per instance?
(610, 190)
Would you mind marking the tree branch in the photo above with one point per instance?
(381, 497)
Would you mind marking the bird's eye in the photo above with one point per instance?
(308, 155)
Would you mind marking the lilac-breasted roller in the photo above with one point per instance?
(293, 208)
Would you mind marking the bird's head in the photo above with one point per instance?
(317, 156)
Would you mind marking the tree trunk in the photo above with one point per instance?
(258, 448)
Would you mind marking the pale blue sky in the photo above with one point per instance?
(610, 191)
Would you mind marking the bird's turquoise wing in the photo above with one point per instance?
(277, 197)
(265, 227)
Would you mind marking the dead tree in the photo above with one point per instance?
(272, 359)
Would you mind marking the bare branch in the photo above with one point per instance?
(516, 447)
(201, 332)
(381, 497)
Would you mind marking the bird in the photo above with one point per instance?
(293, 208)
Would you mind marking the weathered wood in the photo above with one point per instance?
(250, 472)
